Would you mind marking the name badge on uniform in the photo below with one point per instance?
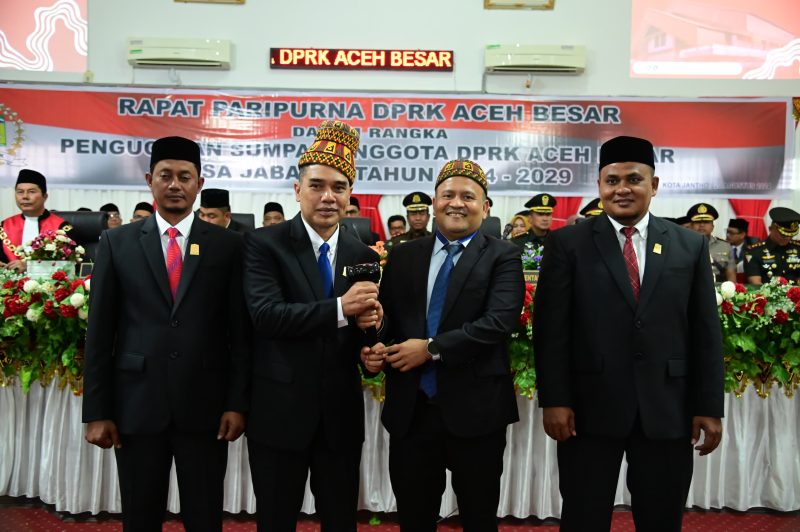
(194, 249)
(657, 249)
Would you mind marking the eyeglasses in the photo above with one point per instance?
(114, 215)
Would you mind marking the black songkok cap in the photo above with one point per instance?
(739, 223)
(144, 206)
(109, 207)
(273, 207)
(682, 220)
(627, 150)
(214, 198)
(33, 177)
(354, 202)
(178, 148)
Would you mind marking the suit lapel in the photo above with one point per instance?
(306, 257)
(150, 241)
(460, 273)
(421, 263)
(345, 256)
(657, 239)
(198, 237)
(608, 245)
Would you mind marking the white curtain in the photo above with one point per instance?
(43, 454)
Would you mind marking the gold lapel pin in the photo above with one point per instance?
(194, 249)
(657, 249)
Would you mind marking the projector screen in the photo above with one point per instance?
(730, 39)
(43, 35)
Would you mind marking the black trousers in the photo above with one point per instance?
(279, 481)
(417, 464)
(659, 475)
(143, 464)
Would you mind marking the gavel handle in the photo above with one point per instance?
(371, 337)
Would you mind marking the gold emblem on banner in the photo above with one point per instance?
(11, 136)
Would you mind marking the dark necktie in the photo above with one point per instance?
(735, 254)
(428, 381)
(174, 261)
(325, 271)
(630, 261)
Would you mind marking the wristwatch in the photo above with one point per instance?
(433, 349)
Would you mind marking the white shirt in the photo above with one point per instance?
(333, 242)
(184, 227)
(639, 240)
(29, 231)
(437, 260)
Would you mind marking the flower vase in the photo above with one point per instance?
(44, 269)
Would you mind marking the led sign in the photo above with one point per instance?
(350, 59)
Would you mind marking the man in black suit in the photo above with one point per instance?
(628, 350)
(451, 301)
(215, 208)
(307, 406)
(167, 349)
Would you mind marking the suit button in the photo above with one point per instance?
(174, 355)
(174, 323)
(638, 324)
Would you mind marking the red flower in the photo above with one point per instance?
(797, 308)
(59, 276)
(528, 299)
(49, 309)
(780, 317)
(75, 284)
(727, 308)
(61, 294)
(525, 318)
(530, 287)
(22, 282)
(68, 311)
(782, 281)
(8, 284)
(794, 294)
(36, 298)
(740, 288)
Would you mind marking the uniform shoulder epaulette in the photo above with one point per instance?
(757, 244)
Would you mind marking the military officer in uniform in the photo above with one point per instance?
(702, 216)
(779, 254)
(593, 208)
(417, 206)
(540, 218)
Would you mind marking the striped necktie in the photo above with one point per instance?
(630, 260)
(174, 261)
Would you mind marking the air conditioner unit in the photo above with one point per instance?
(543, 59)
(179, 53)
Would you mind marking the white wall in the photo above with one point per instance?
(461, 25)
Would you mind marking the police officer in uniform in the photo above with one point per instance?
(417, 206)
(702, 216)
(540, 217)
(779, 254)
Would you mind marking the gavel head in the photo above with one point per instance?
(370, 271)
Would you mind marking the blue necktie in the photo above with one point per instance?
(325, 270)
(428, 381)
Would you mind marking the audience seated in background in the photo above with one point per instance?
(114, 218)
(141, 211)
